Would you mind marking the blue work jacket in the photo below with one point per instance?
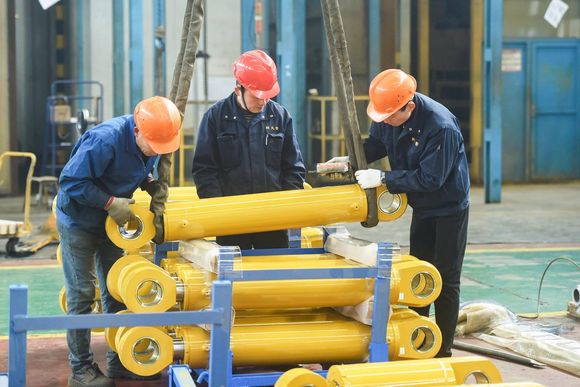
(234, 157)
(427, 158)
(105, 162)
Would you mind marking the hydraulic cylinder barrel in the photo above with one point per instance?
(255, 213)
(144, 287)
(280, 338)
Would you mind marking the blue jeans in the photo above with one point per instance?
(86, 256)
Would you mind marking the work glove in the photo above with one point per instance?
(369, 178)
(118, 209)
(339, 159)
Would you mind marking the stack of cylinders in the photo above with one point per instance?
(144, 287)
(301, 335)
(276, 322)
(281, 337)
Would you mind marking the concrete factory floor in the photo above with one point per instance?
(510, 245)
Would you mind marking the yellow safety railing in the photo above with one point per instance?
(323, 126)
(193, 114)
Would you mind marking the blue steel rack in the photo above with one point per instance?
(180, 375)
(219, 373)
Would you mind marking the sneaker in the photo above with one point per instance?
(90, 376)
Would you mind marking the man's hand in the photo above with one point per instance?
(118, 209)
(339, 159)
(368, 178)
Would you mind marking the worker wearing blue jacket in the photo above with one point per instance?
(106, 166)
(426, 153)
(246, 144)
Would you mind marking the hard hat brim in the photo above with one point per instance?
(266, 94)
(375, 115)
(162, 148)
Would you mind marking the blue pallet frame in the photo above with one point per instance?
(219, 373)
(378, 347)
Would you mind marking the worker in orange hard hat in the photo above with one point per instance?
(246, 144)
(109, 162)
(423, 141)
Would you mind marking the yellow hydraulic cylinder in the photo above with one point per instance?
(516, 384)
(144, 287)
(97, 307)
(122, 265)
(279, 339)
(428, 372)
(175, 194)
(59, 254)
(311, 237)
(416, 373)
(256, 213)
(300, 377)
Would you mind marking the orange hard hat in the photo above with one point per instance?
(389, 92)
(257, 73)
(159, 120)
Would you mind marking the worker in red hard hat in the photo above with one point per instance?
(423, 141)
(109, 162)
(246, 144)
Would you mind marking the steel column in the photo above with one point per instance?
(493, 38)
(374, 31)
(79, 41)
(159, 72)
(379, 348)
(248, 31)
(118, 58)
(17, 340)
(291, 62)
(266, 5)
(136, 51)
(220, 335)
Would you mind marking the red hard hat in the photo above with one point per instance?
(257, 73)
(159, 120)
(389, 92)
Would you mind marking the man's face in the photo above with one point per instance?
(248, 101)
(401, 116)
(143, 144)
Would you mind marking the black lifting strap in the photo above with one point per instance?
(182, 74)
(341, 71)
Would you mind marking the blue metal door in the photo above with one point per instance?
(541, 110)
(515, 97)
(555, 117)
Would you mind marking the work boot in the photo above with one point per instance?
(90, 376)
(116, 370)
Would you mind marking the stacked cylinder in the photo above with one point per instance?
(274, 322)
(285, 322)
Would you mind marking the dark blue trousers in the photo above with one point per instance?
(441, 241)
